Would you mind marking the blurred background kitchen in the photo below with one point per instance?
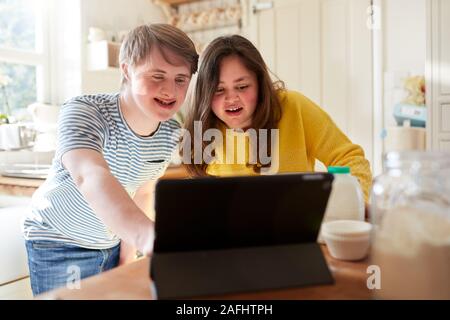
(380, 68)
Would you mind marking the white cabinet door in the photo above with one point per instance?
(288, 37)
(13, 255)
(438, 75)
(17, 290)
(322, 48)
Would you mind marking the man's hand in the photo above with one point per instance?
(127, 253)
(147, 245)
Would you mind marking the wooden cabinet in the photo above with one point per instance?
(438, 75)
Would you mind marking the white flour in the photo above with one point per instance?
(412, 249)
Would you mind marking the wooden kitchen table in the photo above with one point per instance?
(132, 282)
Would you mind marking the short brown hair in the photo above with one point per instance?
(139, 42)
(268, 111)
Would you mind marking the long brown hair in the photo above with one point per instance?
(267, 112)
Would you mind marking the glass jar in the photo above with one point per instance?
(410, 212)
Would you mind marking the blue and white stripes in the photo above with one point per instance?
(59, 211)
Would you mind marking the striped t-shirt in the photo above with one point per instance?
(59, 212)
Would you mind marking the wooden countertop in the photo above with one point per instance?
(26, 187)
(19, 186)
(21, 182)
(132, 282)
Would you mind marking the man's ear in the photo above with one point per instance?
(125, 70)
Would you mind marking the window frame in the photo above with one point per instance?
(40, 57)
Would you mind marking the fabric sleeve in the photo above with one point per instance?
(80, 126)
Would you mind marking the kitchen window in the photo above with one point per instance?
(24, 54)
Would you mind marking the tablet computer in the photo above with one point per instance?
(238, 234)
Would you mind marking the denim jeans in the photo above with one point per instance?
(55, 264)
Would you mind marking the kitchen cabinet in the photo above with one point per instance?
(438, 75)
(14, 267)
(17, 290)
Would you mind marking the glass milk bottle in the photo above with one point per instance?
(410, 213)
(346, 201)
